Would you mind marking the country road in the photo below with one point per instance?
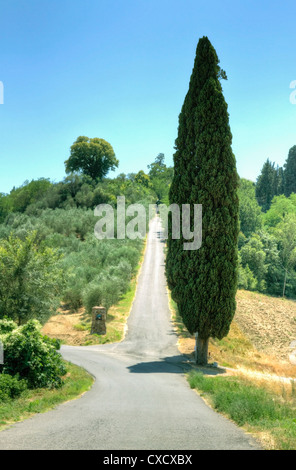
(140, 398)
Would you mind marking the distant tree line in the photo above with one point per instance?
(274, 180)
(267, 243)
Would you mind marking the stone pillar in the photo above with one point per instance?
(98, 325)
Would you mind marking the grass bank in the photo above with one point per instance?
(76, 382)
(266, 412)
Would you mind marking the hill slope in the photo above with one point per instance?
(259, 338)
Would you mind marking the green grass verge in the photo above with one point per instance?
(258, 410)
(76, 382)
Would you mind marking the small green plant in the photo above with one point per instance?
(81, 327)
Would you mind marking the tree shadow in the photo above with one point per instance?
(180, 364)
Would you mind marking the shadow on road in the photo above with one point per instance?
(172, 365)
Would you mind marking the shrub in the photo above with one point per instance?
(92, 296)
(31, 279)
(11, 387)
(107, 288)
(33, 357)
(7, 325)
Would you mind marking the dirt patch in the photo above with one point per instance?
(61, 326)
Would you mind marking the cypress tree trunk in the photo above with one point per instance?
(201, 350)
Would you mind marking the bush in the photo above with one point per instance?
(33, 357)
(92, 296)
(6, 326)
(11, 387)
(31, 279)
(107, 288)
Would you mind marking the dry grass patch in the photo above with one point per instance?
(242, 349)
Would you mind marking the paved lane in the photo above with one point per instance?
(140, 399)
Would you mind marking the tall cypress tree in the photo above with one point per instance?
(203, 282)
(266, 185)
(290, 172)
(280, 181)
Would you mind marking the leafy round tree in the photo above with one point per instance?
(93, 157)
(203, 282)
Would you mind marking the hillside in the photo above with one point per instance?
(269, 322)
(259, 338)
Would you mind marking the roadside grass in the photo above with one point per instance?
(76, 382)
(250, 391)
(270, 416)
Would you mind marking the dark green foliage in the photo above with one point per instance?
(107, 288)
(33, 357)
(4, 207)
(280, 180)
(274, 274)
(290, 172)
(7, 325)
(161, 178)
(11, 387)
(79, 191)
(28, 193)
(31, 279)
(100, 271)
(250, 214)
(286, 235)
(69, 233)
(268, 255)
(93, 157)
(269, 183)
(203, 282)
(252, 257)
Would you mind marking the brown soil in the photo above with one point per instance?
(61, 326)
(269, 322)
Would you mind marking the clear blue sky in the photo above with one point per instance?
(120, 69)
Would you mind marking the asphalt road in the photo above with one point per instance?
(141, 398)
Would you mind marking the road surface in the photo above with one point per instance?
(140, 398)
